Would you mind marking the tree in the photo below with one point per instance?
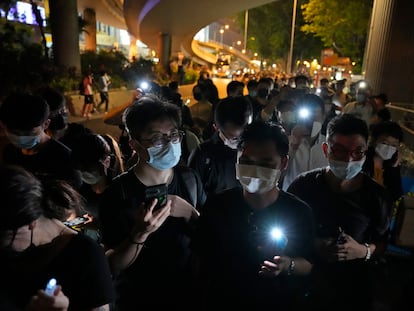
(340, 24)
(269, 32)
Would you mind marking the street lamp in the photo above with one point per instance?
(246, 23)
(292, 38)
(221, 36)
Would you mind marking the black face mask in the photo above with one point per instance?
(198, 96)
(262, 93)
(58, 122)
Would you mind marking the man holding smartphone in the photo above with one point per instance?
(148, 247)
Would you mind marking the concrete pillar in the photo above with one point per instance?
(65, 33)
(164, 49)
(389, 65)
(133, 49)
(89, 15)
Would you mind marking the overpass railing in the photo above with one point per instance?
(403, 113)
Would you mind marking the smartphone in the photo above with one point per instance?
(340, 239)
(159, 192)
(51, 287)
(78, 221)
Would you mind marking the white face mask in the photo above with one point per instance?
(288, 117)
(385, 151)
(316, 128)
(231, 143)
(346, 170)
(91, 178)
(257, 179)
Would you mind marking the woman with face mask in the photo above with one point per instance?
(36, 246)
(98, 159)
(382, 160)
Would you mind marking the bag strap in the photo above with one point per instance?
(190, 182)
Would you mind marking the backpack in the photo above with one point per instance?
(81, 88)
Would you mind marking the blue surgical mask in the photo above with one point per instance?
(346, 170)
(23, 142)
(360, 98)
(164, 157)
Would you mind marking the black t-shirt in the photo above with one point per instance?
(216, 165)
(232, 241)
(363, 214)
(161, 273)
(52, 161)
(80, 267)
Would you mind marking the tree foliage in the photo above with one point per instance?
(340, 24)
(269, 32)
(22, 63)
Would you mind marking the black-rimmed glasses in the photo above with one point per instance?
(343, 154)
(160, 140)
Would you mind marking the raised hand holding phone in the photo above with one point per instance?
(51, 298)
(158, 192)
(51, 287)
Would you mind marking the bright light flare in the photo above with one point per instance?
(304, 113)
(276, 234)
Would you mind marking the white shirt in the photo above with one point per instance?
(304, 158)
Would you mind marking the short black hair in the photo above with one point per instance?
(260, 131)
(147, 109)
(252, 84)
(22, 111)
(55, 99)
(89, 150)
(311, 101)
(347, 124)
(233, 85)
(234, 110)
(390, 128)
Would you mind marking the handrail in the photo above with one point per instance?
(402, 123)
(392, 106)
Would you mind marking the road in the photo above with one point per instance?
(97, 125)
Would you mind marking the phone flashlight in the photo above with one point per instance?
(51, 287)
(144, 85)
(362, 84)
(304, 113)
(278, 237)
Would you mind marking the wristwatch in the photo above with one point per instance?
(292, 265)
(368, 254)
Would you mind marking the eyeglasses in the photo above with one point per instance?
(341, 153)
(160, 140)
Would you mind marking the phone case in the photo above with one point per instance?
(159, 192)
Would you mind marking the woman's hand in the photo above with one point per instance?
(45, 302)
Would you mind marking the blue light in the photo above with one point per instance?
(276, 234)
(304, 113)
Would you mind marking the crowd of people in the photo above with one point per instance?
(280, 198)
